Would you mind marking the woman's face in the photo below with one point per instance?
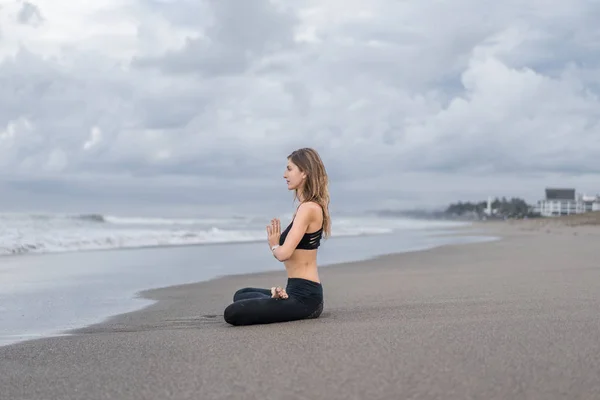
(293, 176)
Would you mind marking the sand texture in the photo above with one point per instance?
(517, 318)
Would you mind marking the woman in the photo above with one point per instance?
(296, 247)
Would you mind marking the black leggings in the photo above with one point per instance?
(256, 306)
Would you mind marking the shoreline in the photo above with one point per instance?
(484, 231)
(156, 294)
(146, 295)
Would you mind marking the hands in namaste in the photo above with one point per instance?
(274, 232)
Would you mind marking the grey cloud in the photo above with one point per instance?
(50, 108)
(188, 13)
(240, 33)
(170, 110)
(165, 194)
(459, 99)
(30, 14)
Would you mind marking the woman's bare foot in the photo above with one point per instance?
(278, 293)
(282, 293)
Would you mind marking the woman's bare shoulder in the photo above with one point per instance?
(312, 210)
(311, 206)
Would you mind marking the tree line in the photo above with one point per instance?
(501, 208)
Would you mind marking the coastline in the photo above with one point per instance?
(129, 298)
(162, 297)
(509, 318)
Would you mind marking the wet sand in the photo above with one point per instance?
(515, 318)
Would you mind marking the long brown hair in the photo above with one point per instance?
(316, 185)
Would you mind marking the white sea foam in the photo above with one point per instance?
(51, 233)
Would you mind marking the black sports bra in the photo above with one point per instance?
(309, 241)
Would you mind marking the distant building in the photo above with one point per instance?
(561, 201)
(591, 203)
(488, 209)
(560, 194)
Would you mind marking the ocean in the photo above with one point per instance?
(64, 271)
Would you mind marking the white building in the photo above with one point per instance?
(564, 202)
(488, 209)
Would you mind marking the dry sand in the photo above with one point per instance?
(516, 318)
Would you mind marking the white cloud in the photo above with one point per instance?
(408, 94)
(94, 139)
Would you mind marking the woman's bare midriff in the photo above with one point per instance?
(303, 264)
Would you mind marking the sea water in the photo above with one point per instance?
(60, 272)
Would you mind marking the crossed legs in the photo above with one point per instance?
(257, 306)
(251, 293)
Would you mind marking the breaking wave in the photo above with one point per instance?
(53, 233)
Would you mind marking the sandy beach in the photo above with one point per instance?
(515, 318)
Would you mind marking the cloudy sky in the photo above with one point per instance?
(162, 105)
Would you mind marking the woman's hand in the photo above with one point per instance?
(274, 232)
